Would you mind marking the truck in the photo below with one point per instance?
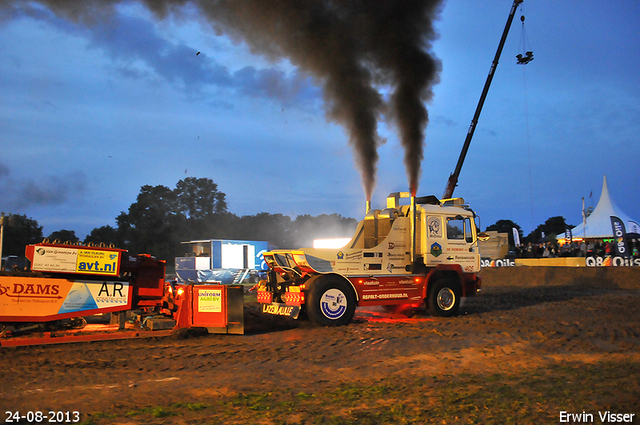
(421, 254)
(425, 253)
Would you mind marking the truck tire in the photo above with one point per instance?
(331, 302)
(444, 298)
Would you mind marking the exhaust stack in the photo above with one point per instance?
(413, 231)
(367, 207)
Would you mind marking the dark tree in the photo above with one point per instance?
(161, 218)
(152, 225)
(506, 226)
(19, 231)
(203, 206)
(199, 199)
(103, 235)
(273, 228)
(555, 225)
(551, 228)
(62, 236)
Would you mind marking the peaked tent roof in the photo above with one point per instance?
(598, 224)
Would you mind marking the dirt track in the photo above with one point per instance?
(525, 319)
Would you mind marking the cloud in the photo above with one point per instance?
(139, 51)
(18, 194)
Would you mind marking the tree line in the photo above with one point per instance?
(548, 232)
(161, 218)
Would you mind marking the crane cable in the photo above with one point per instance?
(524, 57)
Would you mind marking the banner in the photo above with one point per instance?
(42, 299)
(620, 236)
(516, 237)
(568, 235)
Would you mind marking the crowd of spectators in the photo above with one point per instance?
(574, 249)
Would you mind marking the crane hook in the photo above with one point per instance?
(528, 56)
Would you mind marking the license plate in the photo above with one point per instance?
(279, 309)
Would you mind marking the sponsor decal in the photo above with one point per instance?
(340, 255)
(391, 267)
(92, 295)
(333, 304)
(31, 290)
(436, 249)
(55, 259)
(612, 261)
(352, 269)
(465, 257)
(371, 282)
(74, 260)
(278, 309)
(356, 255)
(434, 226)
(385, 296)
(97, 262)
(20, 297)
(400, 229)
(210, 300)
(487, 262)
(406, 282)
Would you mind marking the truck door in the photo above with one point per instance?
(460, 248)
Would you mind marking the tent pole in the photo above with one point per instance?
(584, 229)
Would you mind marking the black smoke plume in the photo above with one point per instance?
(357, 50)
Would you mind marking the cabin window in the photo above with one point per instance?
(459, 228)
(455, 228)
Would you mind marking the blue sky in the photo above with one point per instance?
(90, 112)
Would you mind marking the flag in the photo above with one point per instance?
(568, 234)
(633, 227)
(516, 236)
(620, 237)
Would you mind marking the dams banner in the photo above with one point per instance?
(36, 299)
(620, 236)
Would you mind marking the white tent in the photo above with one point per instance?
(598, 224)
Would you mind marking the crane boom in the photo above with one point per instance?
(453, 178)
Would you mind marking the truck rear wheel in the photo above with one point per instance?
(444, 298)
(331, 302)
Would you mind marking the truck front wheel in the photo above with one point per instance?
(331, 303)
(444, 298)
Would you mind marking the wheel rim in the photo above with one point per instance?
(446, 299)
(333, 304)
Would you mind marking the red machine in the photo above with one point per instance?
(70, 282)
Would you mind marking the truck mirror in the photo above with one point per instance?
(482, 236)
